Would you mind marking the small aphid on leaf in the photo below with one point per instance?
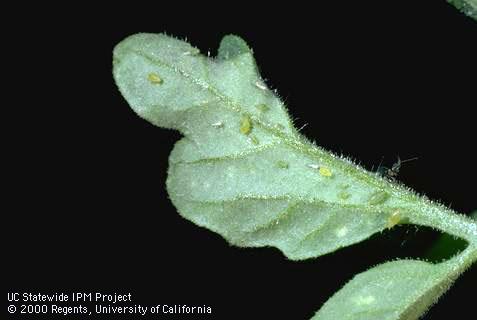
(282, 164)
(394, 219)
(325, 172)
(343, 195)
(378, 197)
(262, 107)
(392, 173)
(218, 124)
(154, 78)
(245, 125)
(260, 85)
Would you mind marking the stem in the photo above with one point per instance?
(437, 216)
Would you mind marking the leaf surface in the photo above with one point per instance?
(403, 289)
(244, 171)
(264, 185)
(469, 7)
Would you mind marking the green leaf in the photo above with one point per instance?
(402, 290)
(469, 7)
(244, 171)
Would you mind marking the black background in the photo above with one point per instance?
(85, 204)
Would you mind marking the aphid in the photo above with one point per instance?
(394, 219)
(378, 197)
(343, 195)
(262, 107)
(154, 78)
(282, 164)
(393, 172)
(246, 125)
(325, 172)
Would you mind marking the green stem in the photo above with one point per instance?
(439, 217)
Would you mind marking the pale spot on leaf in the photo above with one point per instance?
(341, 232)
(364, 300)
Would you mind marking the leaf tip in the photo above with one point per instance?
(232, 46)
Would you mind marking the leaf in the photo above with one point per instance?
(244, 171)
(469, 7)
(238, 185)
(402, 289)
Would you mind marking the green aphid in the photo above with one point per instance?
(246, 125)
(262, 107)
(325, 171)
(378, 197)
(343, 195)
(154, 78)
(282, 164)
